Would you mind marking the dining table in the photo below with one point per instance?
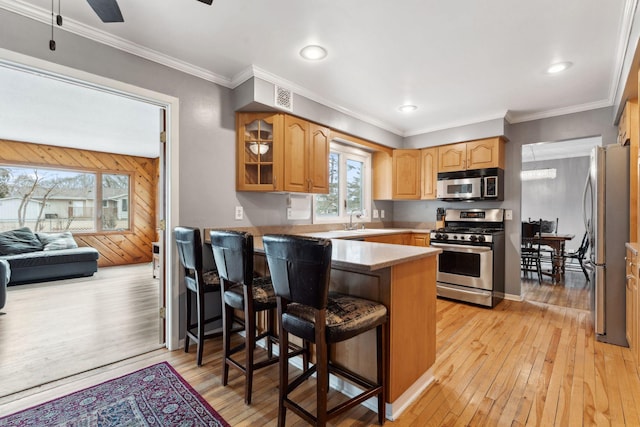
(556, 241)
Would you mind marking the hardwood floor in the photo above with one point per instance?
(521, 363)
(573, 292)
(52, 330)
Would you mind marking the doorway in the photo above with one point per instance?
(552, 184)
(78, 79)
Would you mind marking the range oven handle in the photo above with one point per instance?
(462, 248)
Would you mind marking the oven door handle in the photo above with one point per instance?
(462, 248)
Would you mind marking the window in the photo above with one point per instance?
(349, 187)
(50, 200)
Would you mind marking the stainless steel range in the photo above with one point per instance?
(471, 266)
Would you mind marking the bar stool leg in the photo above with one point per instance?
(188, 322)
(250, 343)
(380, 340)
(227, 321)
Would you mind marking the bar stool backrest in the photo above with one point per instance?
(300, 268)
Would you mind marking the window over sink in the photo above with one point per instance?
(349, 187)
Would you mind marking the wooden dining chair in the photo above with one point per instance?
(530, 258)
(580, 254)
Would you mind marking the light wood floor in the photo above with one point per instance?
(51, 330)
(521, 363)
(572, 292)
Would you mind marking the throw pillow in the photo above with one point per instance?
(57, 241)
(19, 241)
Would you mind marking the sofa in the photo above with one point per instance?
(27, 257)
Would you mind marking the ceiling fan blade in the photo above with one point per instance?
(206, 1)
(107, 10)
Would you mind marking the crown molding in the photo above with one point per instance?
(519, 118)
(618, 81)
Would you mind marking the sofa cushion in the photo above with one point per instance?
(56, 241)
(19, 241)
(35, 259)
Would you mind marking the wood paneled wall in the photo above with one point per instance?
(116, 248)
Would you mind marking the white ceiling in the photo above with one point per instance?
(460, 62)
(49, 111)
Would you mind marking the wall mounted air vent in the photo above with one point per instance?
(284, 98)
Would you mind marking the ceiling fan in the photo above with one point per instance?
(109, 11)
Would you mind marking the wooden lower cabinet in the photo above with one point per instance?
(633, 328)
(411, 346)
(412, 239)
(420, 239)
(394, 239)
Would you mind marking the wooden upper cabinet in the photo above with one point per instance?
(278, 152)
(318, 165)
(259, 152)
(306, 156)
(624, 125)
(478, 154)
(485, 153)
(382, 172)
(452, 157)
(406, 174)
(429, 171)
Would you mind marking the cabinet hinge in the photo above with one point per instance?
(163, 137)
(163, 312)
(163, 225)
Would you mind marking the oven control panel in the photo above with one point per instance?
(443, 236)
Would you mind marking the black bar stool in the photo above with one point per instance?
(197, 283)
(300, 269)
(241, 290)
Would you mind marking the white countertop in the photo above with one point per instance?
(368, 256)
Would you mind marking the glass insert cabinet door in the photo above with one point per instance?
(259, 151)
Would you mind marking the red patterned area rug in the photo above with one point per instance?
(155, 396)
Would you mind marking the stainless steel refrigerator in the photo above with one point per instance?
(606, 217)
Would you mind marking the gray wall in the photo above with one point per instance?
(557, 198)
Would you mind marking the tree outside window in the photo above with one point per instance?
(50, 200)
(349, 186)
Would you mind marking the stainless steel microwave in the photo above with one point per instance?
(479, 184)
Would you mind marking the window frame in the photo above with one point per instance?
(98, 198)
(346, 152)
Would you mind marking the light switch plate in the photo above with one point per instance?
(508, 215)
(239, 213)
(375, 213)
(382, 213)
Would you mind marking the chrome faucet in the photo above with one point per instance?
(351, 225)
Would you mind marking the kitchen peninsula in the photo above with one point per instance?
(404, 279)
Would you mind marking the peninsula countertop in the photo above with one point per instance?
(368, 256)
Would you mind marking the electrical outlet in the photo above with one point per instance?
(508, 214)
(375, 213)
(381, 213)
(239, 213)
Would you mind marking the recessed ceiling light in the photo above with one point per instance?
(558, 67)
(313, 52)
(407, 108)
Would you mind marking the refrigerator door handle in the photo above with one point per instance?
(587, 184)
